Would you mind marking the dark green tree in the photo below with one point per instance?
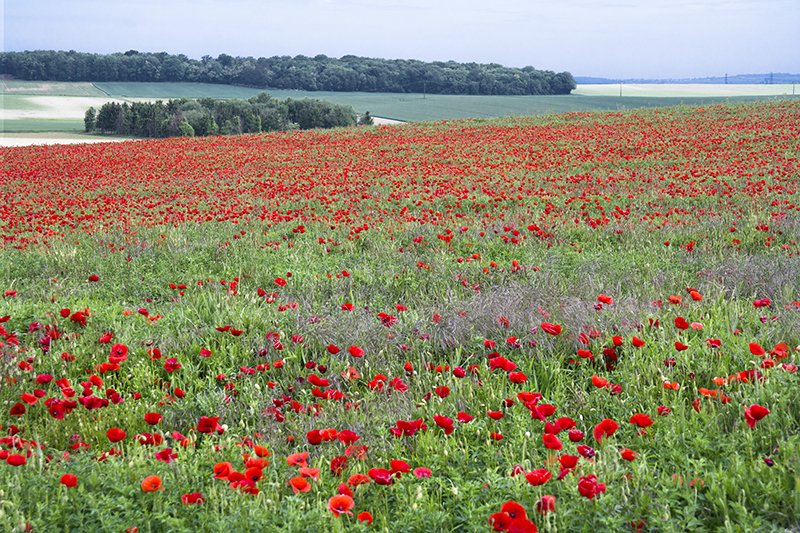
(365, 120)
(88, 119)
(107, 117)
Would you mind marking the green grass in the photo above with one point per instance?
(36, 125)
(167, 90)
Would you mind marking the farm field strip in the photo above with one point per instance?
(682, 90)
(576, 322)
(49, 88)
(23, 108)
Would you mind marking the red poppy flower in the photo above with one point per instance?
(442, 391)
(355, 351)
(641, 420)
(605, 299)
(552, 329)
(115, 434)
(513, 509)
(166, 455)
(606, 428)
(207, 424)
(358, 479)
(589, 487)
(399, 466)
(299, 484)
(94, 277)
(172, 365)
(628, 455)
(586, 451)
(152, 484)
(152, 418)
(464, 417)
(17, 410)
(552, 442)
(575, 435)
(517, 377)
(341, 504)
(381, 476)
(29, 398)
(254, 474)
(223, 470)
(681, 323)
(754, 413)
(422, 472)
(365, 517)
(312, 473)
(445, 423)
(332, 349)
(338, 464)
(194, 497)
(297, 459)
(500, 521)
(344, 489)
(680, 346)
(546, 504)
(537, 477)
(568, 461)
(756, 349)
(69, 480)
(15, 459)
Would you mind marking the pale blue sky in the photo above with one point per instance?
(626, 39)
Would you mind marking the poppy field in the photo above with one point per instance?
(579, 322)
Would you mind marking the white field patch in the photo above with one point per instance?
(52, 107)
(686, 90)
(378, 121)
(28, 139)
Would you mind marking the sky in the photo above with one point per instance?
(661, 39)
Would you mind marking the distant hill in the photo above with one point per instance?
(747, 79)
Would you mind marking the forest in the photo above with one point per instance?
(207, 116)
(319, 73)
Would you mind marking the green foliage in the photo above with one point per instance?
(89, 120)
(186, 118)
(365, 120)
(109, 116)
(185, 129)
(321, 73)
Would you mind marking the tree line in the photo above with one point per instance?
(319, 73)
(207, 116)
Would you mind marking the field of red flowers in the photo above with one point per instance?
(581, 322)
